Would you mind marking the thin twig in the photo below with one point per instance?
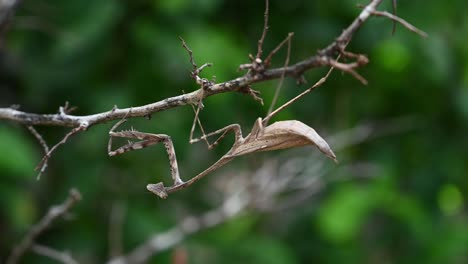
(192, 61)
(67, 109)
(268, 58)
(265, 29)
(317, 84)
(43, 144)
(400, 20)
(63, 257)
(42, 166)
(53, 213)
(349, 68)
(202, 83)
(39, 138)
(196, 70)
(280, 83)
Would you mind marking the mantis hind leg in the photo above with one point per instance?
(223, 131)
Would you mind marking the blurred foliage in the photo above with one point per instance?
(97, 54)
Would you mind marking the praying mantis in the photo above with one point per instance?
(263, 137)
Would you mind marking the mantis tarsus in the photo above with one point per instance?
(263, 137)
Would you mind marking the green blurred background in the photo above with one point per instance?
(96, 54)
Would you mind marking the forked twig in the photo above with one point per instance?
(396, 19)
(268, 58)
(44, 146)
(349, 68)
(195, 74)
(54, 212)
(42, 166)
(39, 138)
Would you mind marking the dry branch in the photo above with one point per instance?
(236, 203)
(62, 257)
(258, 71)
(53, 213)
(324, 57)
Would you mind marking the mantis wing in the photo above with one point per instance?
(283, 135)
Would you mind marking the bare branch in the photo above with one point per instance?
(400, 20)
(275, 50)
(39, 138)
(265, 29)
(42, 166)
(295, 70)
(349, 68)
(67, 109)
(192, 61)
(188, 226)
(44, 146)
(53, 213)
(257, 73)
(63, 257)
(196, 70)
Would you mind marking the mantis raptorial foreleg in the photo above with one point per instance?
(147, 139)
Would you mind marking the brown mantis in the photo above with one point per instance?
(263, 137)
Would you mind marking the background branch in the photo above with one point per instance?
(62, 257)
(54, 212)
